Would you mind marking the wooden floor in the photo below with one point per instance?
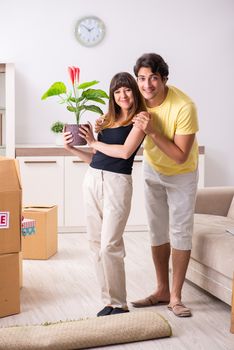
(64, 288)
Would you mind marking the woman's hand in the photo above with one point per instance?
(67, 138)
(143, 121)
(86, 132)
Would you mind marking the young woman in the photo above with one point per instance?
(108, 187)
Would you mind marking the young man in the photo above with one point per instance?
(170, 177)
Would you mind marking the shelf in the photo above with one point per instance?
(7, 108)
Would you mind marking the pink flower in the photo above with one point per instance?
(79, 100)
(77, 73)
(74, 73)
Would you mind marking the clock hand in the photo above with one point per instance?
(88, 29)
(85, 27)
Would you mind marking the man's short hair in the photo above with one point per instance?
(153, 61)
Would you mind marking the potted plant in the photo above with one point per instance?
(57, 128)
(78, 100)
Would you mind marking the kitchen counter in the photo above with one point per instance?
(53, 150)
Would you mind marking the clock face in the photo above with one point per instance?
(90, 31)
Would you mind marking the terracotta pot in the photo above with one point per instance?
(74, 129)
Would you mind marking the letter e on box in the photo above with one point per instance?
(4, 219)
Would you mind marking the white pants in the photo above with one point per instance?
(170, 202)
(108, 200)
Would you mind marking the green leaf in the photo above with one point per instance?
(96, 99)
(94, 93)
(57, 127)
(71, 109)
(94, 109)
(57, 88)
(73, 99)
(74, 109)
(88, 84)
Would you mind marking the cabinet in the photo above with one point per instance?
(42, 181)
(7, 109)
(49, 180)
(74, 214)
(58, 180)
(137, 219)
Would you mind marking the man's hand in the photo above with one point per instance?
(98, 124)
(144, 122)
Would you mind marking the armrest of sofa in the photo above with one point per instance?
(214, 200)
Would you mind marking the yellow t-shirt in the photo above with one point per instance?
(176, 115)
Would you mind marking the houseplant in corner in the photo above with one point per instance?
(57, 129)
(78, 100)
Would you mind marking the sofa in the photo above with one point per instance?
(211, 266)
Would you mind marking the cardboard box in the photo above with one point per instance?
(44, 243)
(20, 269)
(10, 206)
(9, 289)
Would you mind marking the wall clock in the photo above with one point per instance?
(90, 31)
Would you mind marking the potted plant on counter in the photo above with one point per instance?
(79, 100)
(57, 129)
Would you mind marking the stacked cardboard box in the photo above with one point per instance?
(10, 236)
(20, 269)
(43, 243)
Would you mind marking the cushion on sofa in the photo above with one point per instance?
(214, 200)
(212, 245)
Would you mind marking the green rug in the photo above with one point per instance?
(87, 333)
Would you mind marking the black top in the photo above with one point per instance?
(116, 165)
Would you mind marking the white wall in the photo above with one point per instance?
(195, 37)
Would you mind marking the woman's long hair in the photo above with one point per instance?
(126, 80)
